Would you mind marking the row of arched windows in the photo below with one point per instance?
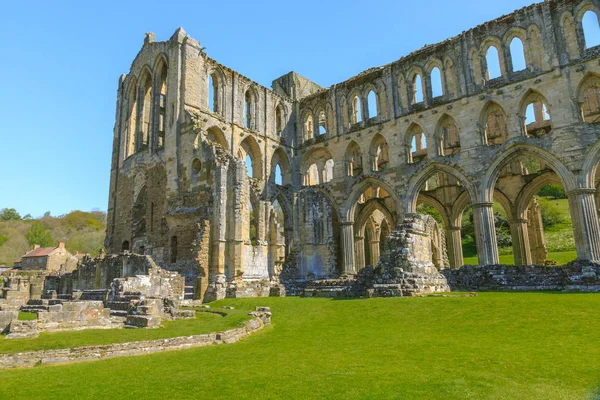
(146, 104)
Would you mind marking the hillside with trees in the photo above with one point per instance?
(81, 231)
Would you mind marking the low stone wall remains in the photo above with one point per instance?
(577, 276)
(261, 317)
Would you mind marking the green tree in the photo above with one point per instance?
(9, 214)
(37, 234)
(554, 191)
(551, 215)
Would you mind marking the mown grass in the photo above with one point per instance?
(493, 346)
(561, 257)
(203, 323)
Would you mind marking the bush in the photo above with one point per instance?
(551, 215)
(554, 191)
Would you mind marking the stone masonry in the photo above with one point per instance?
(238, 187)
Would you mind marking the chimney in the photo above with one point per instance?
(36, 246)
(61, 245)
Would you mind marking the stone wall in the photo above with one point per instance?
(577, 276)
(261, 317)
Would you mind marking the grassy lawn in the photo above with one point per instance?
(204, 323)
(494, 346)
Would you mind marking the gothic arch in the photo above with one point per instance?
(492, 174)
(349, 208)
(528, 191)
(250, 147)
(280, 158)
(493, 122)
(379, 153)
(447, 135)
(433, 202)
(418, 180)
(590, 165)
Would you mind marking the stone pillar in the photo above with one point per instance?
(520, 241)
(454, 244)
(374, 252)
(585, 223)
(535, 227)
(348, 248)
(359, 246)
(485, 233)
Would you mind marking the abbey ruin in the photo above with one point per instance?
(241, 188)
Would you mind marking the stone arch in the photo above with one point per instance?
(417, 181)
(492, 174)
(540, 112)
(588, 98)
(373, 108)
(590, 166)
(145, 109)
(435, 203)
(416, 150)
(476, 67)
(379, 153)
(320, 122)
(349, 209)
(354, 159)
(449, 77)
(219, 84)
(521, 35)
(458, 208)
(160, 100)
(281, 159)
(417, 93)
(280, 118)
(447, 136)
(493, 41)
(131, 117)
(402, 93)
(430, 66)
(528, 191)
(355, 105)
(251, 107)
(535, 47)
(249, 147)
(308, 124)
(494, 124)
(569, 33)
(216, 137)
(318, 157)
(504, 202)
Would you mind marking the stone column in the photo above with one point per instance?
(348, 248)
(374, 252)
(454, 244)
(485, 233)
(535, 228)
(520, 241)
(359, 246)
(585, 223)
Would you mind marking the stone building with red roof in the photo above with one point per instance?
(49, 259)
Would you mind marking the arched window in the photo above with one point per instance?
(492, 58)
(279, 122)
(436, 83)
(589, 99)
(146, 91)
(249, 166)
(356, 114)
(249, 110)
(196, 166)
(416, 143)
(162, 109)
(417, 89)
(213, 93)
(309, 126)
(494, 120)
(517, 55)
(253, 228)
(353, 160)
(537, 119)
(278, 175)
(131, 123)
(591, 30)
(322, 123)
(379, 153)
(448, 136)
(372, 104)
(328, 171)
(312, 176)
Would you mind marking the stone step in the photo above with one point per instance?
(119, 314)
(118, 305)
(33, 308)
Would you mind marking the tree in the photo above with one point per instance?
(9, 214)
(37, 234)
(27, 217)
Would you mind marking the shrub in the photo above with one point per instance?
(551, 215)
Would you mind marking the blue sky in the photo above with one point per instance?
(62, 61)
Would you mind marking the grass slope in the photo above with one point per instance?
(204, 323)
(494, 346)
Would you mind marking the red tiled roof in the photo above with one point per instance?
(41, 252)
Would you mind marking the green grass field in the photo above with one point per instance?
(562, 257)
(204, 323)
(493, 346)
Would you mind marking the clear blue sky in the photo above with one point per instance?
(61, 62)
